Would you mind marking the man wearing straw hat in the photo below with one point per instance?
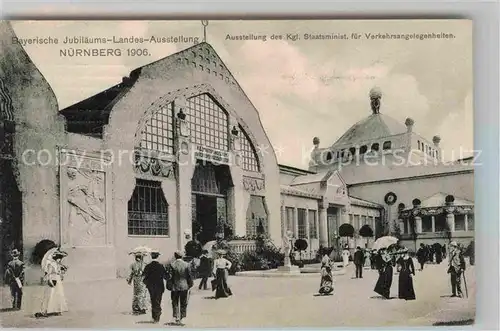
(455, 269)
(154, 278)
(14, 277)
(179, 283)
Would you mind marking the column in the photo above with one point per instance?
(238, 197)
(433, 221)
(323, 224)
(408, 226)
(307, 227)
(450, 220)
(466, 219)
(418, 224)
(184, 173)
(295, 223)
(401, 224)
(283, 219)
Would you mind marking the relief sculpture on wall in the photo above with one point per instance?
(86, 219)
(152, 166)
(254, 185)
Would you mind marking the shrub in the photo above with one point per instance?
(266, 256)
(251, 260)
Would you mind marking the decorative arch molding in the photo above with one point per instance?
(187, 93)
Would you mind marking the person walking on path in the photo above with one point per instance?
(345, 256)
(136, 277)
(406, 271)
(421, 256)
(384, 282)
(326, 284)
(54, 299)
(205, 269)
(455, 269)
(14, 278)
(154, 279)
(221, 272)
(179, 283)
(359, 259)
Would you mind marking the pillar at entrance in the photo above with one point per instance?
(450, 220)
(323, 224)
(418, 224)
(236, 202)
(184, 174)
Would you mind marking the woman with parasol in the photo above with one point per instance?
(221, 271)
(54, 300)
(385, 267)
(136, 278)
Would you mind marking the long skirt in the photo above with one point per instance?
(326, 285)
(54, 300)
(139, 296)
(222, 290)
(384, 282)
(406, 290)
(345, 260)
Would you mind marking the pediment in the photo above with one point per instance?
(335, 189)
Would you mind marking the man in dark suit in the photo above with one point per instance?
(154, 278)
(359, 260)
(179, 283)
(205, 269)
(14, 277)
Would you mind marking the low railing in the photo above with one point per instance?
(241, 246)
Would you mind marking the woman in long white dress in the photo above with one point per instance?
(54, 300)
(345, 256)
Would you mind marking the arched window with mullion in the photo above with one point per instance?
(250, 161)
(208, 122)
(158, 133)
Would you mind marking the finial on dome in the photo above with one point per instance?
(436, 140)
(409, 124)
(316, 142)
(375, 96)
(205, 24)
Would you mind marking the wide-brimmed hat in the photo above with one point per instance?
(15, 253)
(59, 254)
(220, 252)
(454, 244)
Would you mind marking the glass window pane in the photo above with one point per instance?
(147, 210)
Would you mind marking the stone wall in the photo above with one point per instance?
(39, 131)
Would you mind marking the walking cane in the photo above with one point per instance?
(465, 285)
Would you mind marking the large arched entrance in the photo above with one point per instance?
(210, 186)
(11, 222)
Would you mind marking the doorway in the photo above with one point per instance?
(209, 188)
(11, 222)
(205, 219)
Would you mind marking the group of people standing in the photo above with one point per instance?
(430, 253)
(53, 298)
(384, 261)
(178, 277)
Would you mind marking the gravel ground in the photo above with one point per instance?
(264, 302)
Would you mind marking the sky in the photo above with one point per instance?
(303, 88)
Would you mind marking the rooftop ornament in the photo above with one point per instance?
(181, 115)
(375, 96)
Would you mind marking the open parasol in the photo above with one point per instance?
(384, 242)
(47, 257)
(209, 247)
(143, 250)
